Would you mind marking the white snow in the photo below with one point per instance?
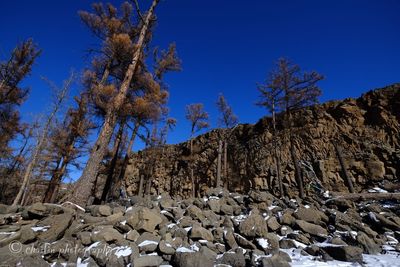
(390, 259)
(263, 242)
(80, 263)
(73, 204)
(123, 222)
(184, 250)
(7, 233)
(169, 226)
(272, 207)
(326, 194)
(187, 229)
(299, 244)
(213, 197)
(123, 251)
(40, 228)
(92, 246)
(148, 242)
(377, 190)
(194, 247)
(128, 209)
(307, 206)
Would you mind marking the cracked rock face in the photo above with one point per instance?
(367, 129)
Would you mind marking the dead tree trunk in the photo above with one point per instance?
(84, 186)
(140, 192)
(365, 196)
(339, 154)
(191, 168)
(128, 154)
(297, 171)
(39, 147)
(225, 170)
(113, 163)
(219, 164)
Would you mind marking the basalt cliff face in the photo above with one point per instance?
(367, 130)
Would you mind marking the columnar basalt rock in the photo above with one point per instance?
(367, 129)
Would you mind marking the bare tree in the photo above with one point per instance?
(228, 119)
(68, 144)
(198, 119)
(61, 94)
(270, 98)
(289, 89)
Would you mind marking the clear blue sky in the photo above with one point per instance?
(226, 46)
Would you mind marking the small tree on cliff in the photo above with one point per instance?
(288, 89)
(228, 119)
(198, 119)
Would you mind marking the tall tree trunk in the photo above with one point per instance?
(128, 154)
(191, 167)
(225, 170)
(339, 154)
(39, 147)
(113, 163)
(54, 184)
(84, 186)
(219, 164)
(297, 170)
(141, 181)
(278, 171)
(277, 156)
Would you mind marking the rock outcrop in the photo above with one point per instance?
(367, 129)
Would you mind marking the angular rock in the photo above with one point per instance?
(106, 234)
(37, 211)
(254, 225)
(310, 215)
(214, 205)
(192, 259)
(310, 228)
(273, 224)
(58, 224)
(132, 235)
(148, 242)
(274, 261)
(368, 244)
(166, 248)
(233, 258)
(142, 218)
(148, 260)
(199, 232)
(344, 253)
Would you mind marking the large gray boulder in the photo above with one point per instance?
(254, 225)
(344, 253)
(311, 228)
(199, 232)
(57, 225)
(141, 218)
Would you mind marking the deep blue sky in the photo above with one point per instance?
(226, 46)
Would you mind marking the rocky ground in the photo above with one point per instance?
(220, 229)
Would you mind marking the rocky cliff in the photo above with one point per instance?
(367, 129)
